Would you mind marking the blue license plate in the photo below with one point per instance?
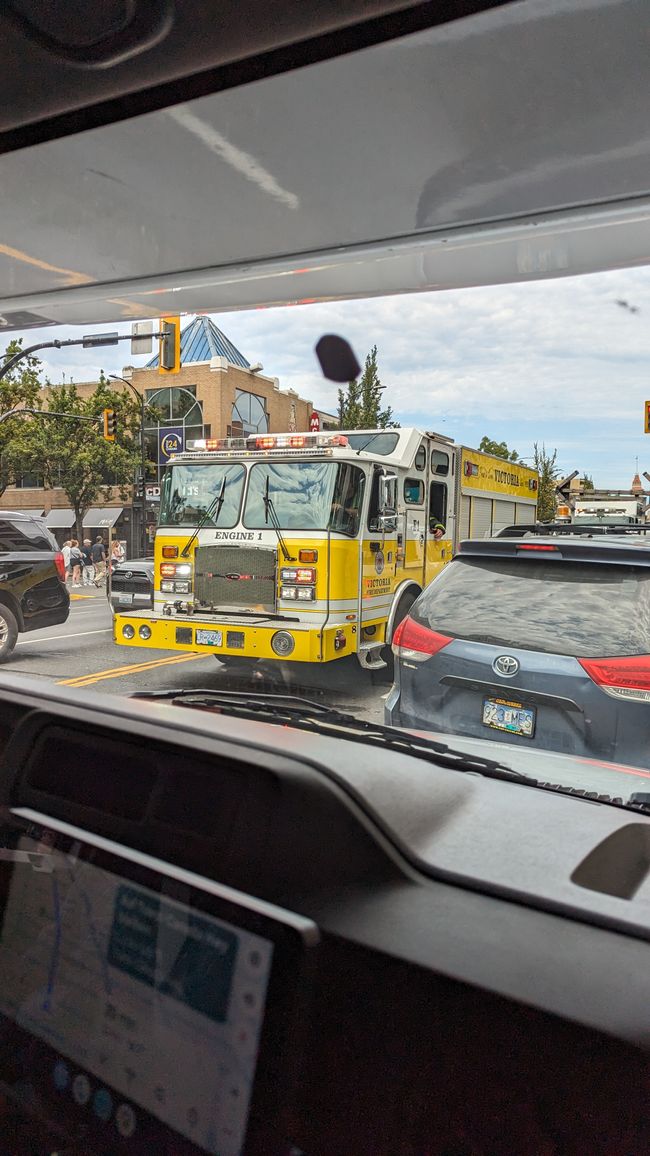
(513, 717)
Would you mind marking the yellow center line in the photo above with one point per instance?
(134, 668)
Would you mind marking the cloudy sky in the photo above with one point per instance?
(558, 362)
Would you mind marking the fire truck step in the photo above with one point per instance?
(369, 654)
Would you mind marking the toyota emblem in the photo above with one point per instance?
(506, 665)
(129, 574)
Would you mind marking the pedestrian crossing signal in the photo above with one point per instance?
(647, 417)
(110, 424)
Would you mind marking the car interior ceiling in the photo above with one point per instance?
(457, 966)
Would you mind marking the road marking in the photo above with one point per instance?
(119, 671)
(74, 597)
(55, 637)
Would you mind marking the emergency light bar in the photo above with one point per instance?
(287, 441)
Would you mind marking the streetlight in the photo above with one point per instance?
(143, 455)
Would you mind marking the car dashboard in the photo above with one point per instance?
(458, 964)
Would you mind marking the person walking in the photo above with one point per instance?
(76, 561)
(98, 555)
(65, 550)
(87, 569)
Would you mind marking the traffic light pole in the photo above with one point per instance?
(91, 341)
(143, 456)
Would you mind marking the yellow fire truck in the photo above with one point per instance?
(310, 547)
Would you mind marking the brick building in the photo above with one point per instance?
(217, 393)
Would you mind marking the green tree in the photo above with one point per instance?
(498, 450)
(72, 454)
(587, 482)
(546, 466)
(360, 407)
(20, 387)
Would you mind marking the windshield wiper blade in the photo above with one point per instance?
(216, 504)
(304, 714)
(270, 511)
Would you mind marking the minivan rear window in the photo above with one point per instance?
(585, 610)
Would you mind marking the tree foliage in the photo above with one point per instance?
(360, 406)
(587, 482)
(498, 450)
(20, 387)
(546, 466)
(72, 454)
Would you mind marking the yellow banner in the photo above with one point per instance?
(482, 472)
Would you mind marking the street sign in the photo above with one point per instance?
(314, 423)
(647, 417)
(170, 441)
(141, 339)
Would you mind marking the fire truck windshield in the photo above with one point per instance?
(306, 495)
(188, 491)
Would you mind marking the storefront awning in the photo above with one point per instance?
(59, 519)
(101, 519)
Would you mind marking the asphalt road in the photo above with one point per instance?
(82, 653)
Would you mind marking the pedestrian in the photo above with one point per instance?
(87, 570)
(98, 555)
(65, 550)
(76, 562)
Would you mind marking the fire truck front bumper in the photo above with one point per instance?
(234, 636)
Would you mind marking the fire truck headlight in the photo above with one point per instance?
(289, 592)
(306, 593)
(145, 632)
(128, 631)
(282, 644)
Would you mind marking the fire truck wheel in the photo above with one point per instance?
(387, 672)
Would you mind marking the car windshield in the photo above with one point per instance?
(190, 492)
(296, 340)
(305, 496)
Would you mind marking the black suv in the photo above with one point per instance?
(33, 592)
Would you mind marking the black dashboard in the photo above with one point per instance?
(456, 965)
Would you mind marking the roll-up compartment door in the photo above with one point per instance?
(504, 515)
(524, 514)
(480, 517)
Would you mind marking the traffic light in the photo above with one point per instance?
(170, 345)
(110, 424)
(646, 411)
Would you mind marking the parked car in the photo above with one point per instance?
(131, 584)
(541, 641)
(33, 593)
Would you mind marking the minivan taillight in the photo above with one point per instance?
(623, 678)
(413, 641)
(60, 565)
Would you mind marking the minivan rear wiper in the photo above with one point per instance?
(302, 713)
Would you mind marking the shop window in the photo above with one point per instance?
(249, 415)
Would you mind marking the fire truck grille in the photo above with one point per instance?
(239, 577)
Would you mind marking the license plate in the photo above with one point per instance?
(209, 637)
(513, 717)
(125, 599)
